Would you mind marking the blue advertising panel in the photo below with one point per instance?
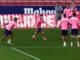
(28, 9)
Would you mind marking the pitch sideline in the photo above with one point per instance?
(17, 50)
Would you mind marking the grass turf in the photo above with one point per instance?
(51, 49)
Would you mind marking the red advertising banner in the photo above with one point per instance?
(27, 21)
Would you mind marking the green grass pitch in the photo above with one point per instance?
(51, 49)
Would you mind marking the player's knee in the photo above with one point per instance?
(5, 36)
(36, 32)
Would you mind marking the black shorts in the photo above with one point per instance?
(39, 30)
(7, 32)
(64, 32)
(74, 31)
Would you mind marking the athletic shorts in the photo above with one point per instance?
(39, 30)
(7, 32)
(64, 32)
(74, 31)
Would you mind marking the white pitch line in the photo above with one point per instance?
(17, 50)
(40, 47)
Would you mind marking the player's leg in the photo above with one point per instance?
(64, 38)
(72, 35)
(56, 22)
(33, 37)
(66, 32)
(77, 38)
(58, 18)
(3, 38)
(5, 35)
(72, 40)
(43, 34)
(11, 37)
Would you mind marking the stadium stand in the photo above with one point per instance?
(36, 2)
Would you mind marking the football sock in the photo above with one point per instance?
(71, 43)
(9, 40)
(78, 43)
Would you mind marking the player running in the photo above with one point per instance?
(74, 21)
(64, 29)
(8, 31)
(39, 30)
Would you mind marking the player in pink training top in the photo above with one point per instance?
(74, 21)
(67, 10)
(39, 30)
(74, 11)
(73, 6)
(64, 28)
(8, 31)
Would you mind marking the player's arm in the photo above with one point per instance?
(37, 24)
(5, 24)
(70, 23)
(78, 22)
(64, 11)
(47, 23)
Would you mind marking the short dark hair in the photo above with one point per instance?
(15, 18)
(41, 14)
(74, 14)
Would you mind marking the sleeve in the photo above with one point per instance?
(78, 22)
(55, 7)
(64, 11)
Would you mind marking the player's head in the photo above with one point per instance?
(15, 19)
(64, 15)
(58, 3)
(41, 16)
(74, 9)
(67, 6)
(74, 14)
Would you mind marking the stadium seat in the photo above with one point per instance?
(35, 2)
